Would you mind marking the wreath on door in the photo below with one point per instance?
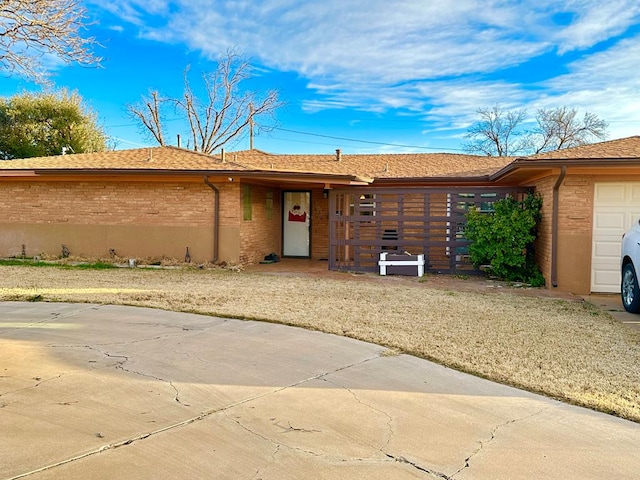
(296, 214)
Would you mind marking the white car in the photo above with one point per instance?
(630, 264)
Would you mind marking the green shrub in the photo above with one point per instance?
(504, 239)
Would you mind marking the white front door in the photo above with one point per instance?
(616, 206)
(296, 223)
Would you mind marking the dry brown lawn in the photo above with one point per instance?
(562, 348)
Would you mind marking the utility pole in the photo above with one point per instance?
(251, 126)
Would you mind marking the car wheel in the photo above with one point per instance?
(630, 290)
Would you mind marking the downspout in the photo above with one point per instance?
(554, 227)
(216, 223)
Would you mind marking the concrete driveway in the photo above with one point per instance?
(103, 392)
(612, 304)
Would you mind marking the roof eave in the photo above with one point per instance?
(434, 180)
(303, 176)
(531, 163)
(113, 171)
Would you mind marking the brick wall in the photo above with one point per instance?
(136, 219)
(230, 203)
(543, 242)
(319, 225)
(148, 219)
(575, 226)
(575, 212)
(88, 203)
(260, 236)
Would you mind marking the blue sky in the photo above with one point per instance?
(399, 76)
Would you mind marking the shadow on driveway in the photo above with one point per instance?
(89, 391)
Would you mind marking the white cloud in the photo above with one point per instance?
(606, 83)
(595, 22)
(418, 56)
(386, 41)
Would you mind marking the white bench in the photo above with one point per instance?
(391, 263)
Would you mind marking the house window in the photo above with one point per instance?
(246, 202)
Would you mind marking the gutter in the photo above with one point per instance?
(269, 175)
(524, 162)
(554, 227)
(434, 180)
(216, 214)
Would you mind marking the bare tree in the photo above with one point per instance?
(148, 113)
(225, 113)
(500, 132)
(497, 133)
(31, 29)
(560, 128)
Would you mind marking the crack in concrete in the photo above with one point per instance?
(395, 458)
(120, 366)
(39, 381)
(180, 331)
(291, 428)
(262, 469)
(119, 363)
(58, 316)
(202, 416)
(401, 459)
(492, 436)
(55, 316)
(169, 382)
(375, 409)
(132, 342)
(278, 445)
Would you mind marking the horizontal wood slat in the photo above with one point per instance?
(430, 221)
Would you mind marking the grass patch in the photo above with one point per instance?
(13, 262)
(91, 266)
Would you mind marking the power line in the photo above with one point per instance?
(134, 124)
(345, 139)
(306, 142)
(135, 144)
(363, 141)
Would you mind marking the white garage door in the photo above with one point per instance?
(616, 206)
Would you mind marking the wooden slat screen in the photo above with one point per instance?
(365, 222)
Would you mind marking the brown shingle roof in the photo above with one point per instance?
(373, 166)
(418, 165)
(422, 165)
(621, 148)
(156, 158)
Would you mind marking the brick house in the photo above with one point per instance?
(591, 197)
(346, 209)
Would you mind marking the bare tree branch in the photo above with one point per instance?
(500, 132)
(560, 128)
(31, 29)
(225, 111)
(496, 134)
(149, 112)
